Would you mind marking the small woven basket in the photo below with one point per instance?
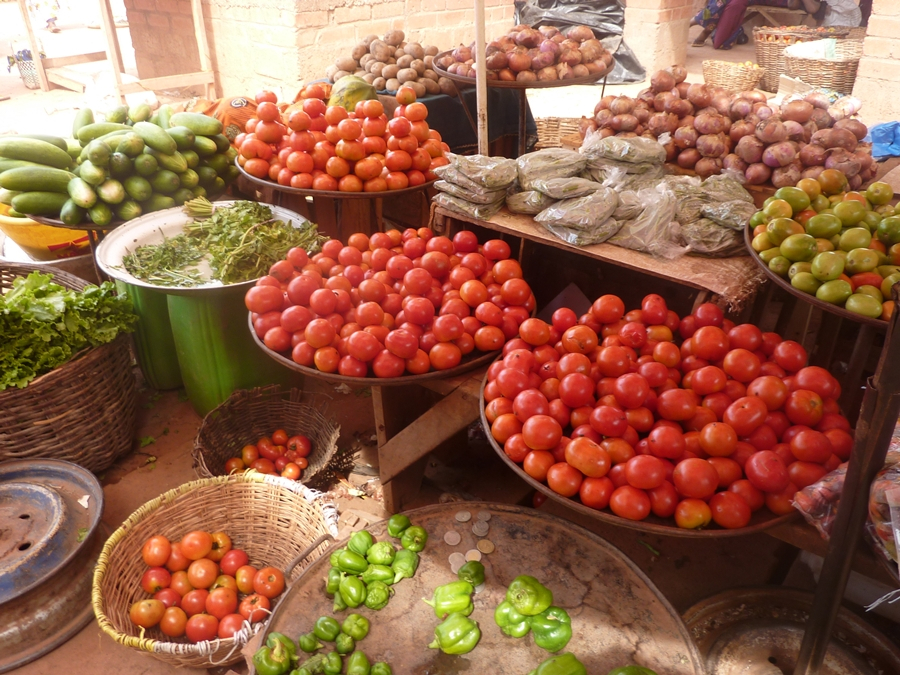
(551, 130)
(838, 73)
(84, 411)
(246, 416)
(770, 43)
(278, 522)
(732, 77)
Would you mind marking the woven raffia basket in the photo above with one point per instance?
(84, 411)
(770, 43)
(275, 520)
(838, 73)
(247, 416)
(551, 130)
(732, 77)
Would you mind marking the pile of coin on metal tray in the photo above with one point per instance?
(480, 528)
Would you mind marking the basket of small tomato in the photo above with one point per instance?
(191, 575)
(269, 430)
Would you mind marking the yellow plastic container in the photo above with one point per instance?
(43, 242)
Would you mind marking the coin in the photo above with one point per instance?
(484, 515)
(479, 587)
(457, 558)
(473, 554)
(486, 546)
(455, 566)
(463, 516)
(480, 528)
(452, 538)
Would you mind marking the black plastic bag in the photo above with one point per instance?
(605, 17)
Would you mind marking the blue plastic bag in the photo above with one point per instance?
(885, 140)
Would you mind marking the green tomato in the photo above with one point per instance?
(780, 229)
(820, 203)
(855, 237)
(799, 248)
(862, 303)
(866, 289)
(769, 254)
(823, 245)
(777, 208)
(834, 292)
(871, 220)
(806, 282)
(879, 193)
(823, 225)
(759, 218)
(887, 270)
(794, 196)
(861, 260)
(850, 212)
(888, 284)
(780, 265)
(885, 210)
(827, 266)
(888, 231)
(761, 242)
(799, 267)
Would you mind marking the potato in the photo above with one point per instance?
(379, 50)
(431, 50)
(390, 71)
(369, 77)
(429, 75)
(346, 63)
(407, 75)
(379, 83)
(368, 40)
(394, 37)
(431, 86)
(391, 61)
(330, 71)
(405, 61)
(359, 73)
(398, 52)
(419, 66)
(414, 48)
(366, 59)
(377, 67)
(339, 74)
(392, 84)
(429, 60)
(359, 51)
(447, 86)
(418, 87)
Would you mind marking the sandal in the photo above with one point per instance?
(701, 38)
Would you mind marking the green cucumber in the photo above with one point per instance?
(120, 165)
(100, 214)
(140, 112)
(92, 174)
(163, 115)
(89, 132)
(182, 195)
(98, 153)
(138, 188)
(222, 142)
(165, 182)
(36, 179)
(118, 114)
(218, 162)
(128, 210)
(6, 196)
(157, 203)
(154, 119)
(12, 213)
(218, 187)
(73, 147)
(204, 146)
(155, 137)
(207, 176)
(111, 191)
(52, 140)
(145, 165)
(191, 157)
(39, 203)
(183, 137)
(189, 179)
(83, 117)
(232, 174)
(33, 150)
(7, 164)
(131, 145)
(199, 191)
(200, 124)
(82, 193)
(173, 162)
(71, 213)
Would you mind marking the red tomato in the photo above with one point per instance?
(564, 479)
(804, 407)
(262, 299)
(576, 390)
(229, 625)
(202, 573)
(744, 489)
(667, 442)
(745, 415)
(729, 470)
(146, 613)
(742, 365)
(541, 432)
(537, 463)
(196, 544)
(155, 579)
(173, 622)
(631, 390)
(221, 602)
(805, 473)
(529, 403)
(268, 582)
(243, 577)
(729, 510)
(811, 446)
(677, 405)
(770, 389)
(156, 551)
(168, 596)
(645, 472)
(710, 343)
(781, 503)
(194, 602)
(789, 355)
(596, 492)
(766, 472)
(816, 379)
(588, 457)
(663, 500)
(695, 478)
(608, 421)
(630, 503)
(718, 439)
(692, 514)
(201, 627)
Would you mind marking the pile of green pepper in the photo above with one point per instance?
(528, 607)
(457, 634)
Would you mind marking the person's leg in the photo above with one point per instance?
(729, 23)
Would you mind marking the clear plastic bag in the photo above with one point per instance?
(566, 188)
(654, 231)
(479, 196)
(451, 174)
(637, 150)
(885, 490)
(818, 502)
(530, 202)
(705, 237)
(734, 215)
(579, 237)
(493, 173)
(582, 221)
(548, 163)
(616, 176)
(466, 208)
(630, 206)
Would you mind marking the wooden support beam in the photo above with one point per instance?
(35, 47)
(74, 60)
(167, 82)
(113, 52)
(203, 46)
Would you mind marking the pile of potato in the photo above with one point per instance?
(389, 62)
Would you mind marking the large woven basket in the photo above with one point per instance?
(770, 43)
(732, 77)
(838, 73)
(246, 416)
(273, 519)
(84, 411)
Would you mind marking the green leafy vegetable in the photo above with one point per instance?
(240, 243)
(43, 325)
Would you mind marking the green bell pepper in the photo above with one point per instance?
(350, 562)
(356, 626)
(272, 660)
(344, 644)
(339, 604)
(333, 581)
(458, 634)
(333, 558)
(528, 595)
(309, 643)
(631, 670)
(397, 524)
(405, 565)
(312, 666)
(378, 573)
(564, 664)
(414, 538)
(552, 629)
(326, 628)
(353, 591)
(452, 598)
(301, 671)
(473, 572)
(358, 664)
(361, 542)
(510, 621)
(289, 644)
(381, 668)
(381, 553)
(333, 664)
(377, 595)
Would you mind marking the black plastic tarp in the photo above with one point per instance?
(605, 17)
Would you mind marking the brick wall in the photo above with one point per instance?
(280, 43)
(657, 31)
(879, 67)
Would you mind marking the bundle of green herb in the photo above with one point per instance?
(43, 325)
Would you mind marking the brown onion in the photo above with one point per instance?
(571, 57)
(626, 134)
(740, 108)
(749, 149)
(661, 100)
(680, 107)
(812, 155)
(585, 125)
(734, 163)
(529, 37)
(818, 100)
(822, 137)
(842, 138)
(580, 70)
(808, 130)
(711, 145)
(602, 117)
(559, 37)
(570, 44)
(822, 119)
(549, 73)
(686, 137)
(671, 150)
(797, 111)
(845, 162)
(550, 46)
(708, 123)
(605, 102)
(722, 103)
(662, 81)
(688, 158)
(591, 50)
(682, 88)
(519, 62)
(548, 31)
(779, 154)
(507, 75)
(647, 97)
(753, 96)
(786, 176)
(658, 123)
(497, 61)
(699, 95)
(795, 130)
(462, 53)
(708, 166)
(771, 131)
(679, 73)
(855, 182)
(642, 113)
(686, 121)
(542, 60)
(812, 171)
(855, 126)
(564, 71)
(865, 158)
(507, 43)
(526, 76)
(622, 105)
(593, 68)
(580, 33)
(740, 129)
(757, 174)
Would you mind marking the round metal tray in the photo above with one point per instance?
(806, 297)
(618, 616)
(759, 522)
(503, 84)
(759, 631)
(334, 194)
(466, 365)
(88, 225)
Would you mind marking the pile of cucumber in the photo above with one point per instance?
(134, 162)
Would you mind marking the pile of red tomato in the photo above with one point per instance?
(392, 303)
(607, 408)
(278, 454)
(197, 584)
(322, 147)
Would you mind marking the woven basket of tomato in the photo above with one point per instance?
(258, 531)
(295, 439)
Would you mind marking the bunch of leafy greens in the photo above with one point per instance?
(43, 325)
(240, 242)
